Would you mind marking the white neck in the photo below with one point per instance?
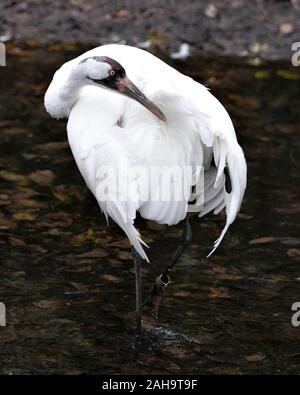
(63, 93)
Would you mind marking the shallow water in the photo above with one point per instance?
(67, 279)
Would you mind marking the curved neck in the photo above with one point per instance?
(62, 93)
(69, 90)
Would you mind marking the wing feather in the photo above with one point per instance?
(218, 136)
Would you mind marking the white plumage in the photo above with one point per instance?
(106, 129)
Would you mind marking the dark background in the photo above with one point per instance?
(235, 27)
(67, 279)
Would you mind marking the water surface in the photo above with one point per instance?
(67, 279)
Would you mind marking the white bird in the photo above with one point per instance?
(162, 119)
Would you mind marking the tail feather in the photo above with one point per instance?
(135, 239)
(238, 174)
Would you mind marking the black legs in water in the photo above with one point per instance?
(138, 291)
(161, 282)
(184, 241)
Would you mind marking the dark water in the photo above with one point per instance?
(67, 280)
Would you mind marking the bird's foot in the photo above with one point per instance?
(157, 294)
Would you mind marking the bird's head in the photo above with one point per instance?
(107, 73)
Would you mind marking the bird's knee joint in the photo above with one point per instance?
(164, 279)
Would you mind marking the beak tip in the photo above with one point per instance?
(127, 88)
(163, 118)
(160, 115)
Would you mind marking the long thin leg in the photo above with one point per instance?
(138, 291)
(163, 280)
(184, 241)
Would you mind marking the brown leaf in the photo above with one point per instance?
(224, 371)
(245, 216)
(177, 351)
(30, 203)
(109, 277)
(68, 194)
(83, 5)
(293, 252)
(14, 242)
(80, 287)
(18, 178)
(232, 277)
(182, 294)
(61, 193)
(42, 177)
(173, 367)
(88, 235)
(6, 223)
(220, 293)
(219, 269)
(292, 209)
(263, 240)
(15, 131)
(252, 102)
(57, 145)
(24, 216)
(4, 123)
(4, 199)
(96, 253)
(121, 14)
(125, 255)
(255, 357)
(50, 304)
(37, 248)
(25, 193)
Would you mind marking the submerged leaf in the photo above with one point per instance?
(261, 75)
(24, 216)
(255, 357)
(294, 252)
(289, 75)
(110, 278)
(42, 177)
(263, 240)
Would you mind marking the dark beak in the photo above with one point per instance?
(127, 88)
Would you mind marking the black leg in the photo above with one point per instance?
(163, 280)
(184, 241)
(138, 292)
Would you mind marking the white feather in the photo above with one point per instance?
(197, 128)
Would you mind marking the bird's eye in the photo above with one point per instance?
(112, 73)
